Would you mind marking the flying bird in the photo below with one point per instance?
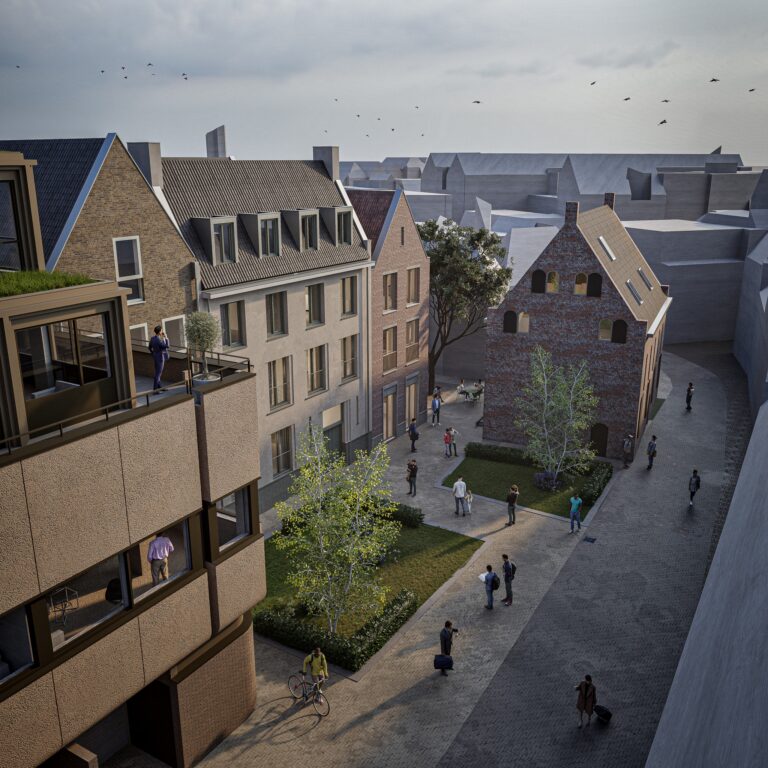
(714, 80)
(422, 134)
(185, 77)
(416, 107)
(102, 71)
(122, 67)
(594, 82)
(357, 115)
(665, 101)
(125, 77)
(477, 102)
(150, 64)
(18, 66)
(627, 98)
(335, 99)
(393, 129)
(378, 118)
(663, 122)
(752, 90)
(367, 135)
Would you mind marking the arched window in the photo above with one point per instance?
(580, 286)
(510, 322)
(523, 322)
(619, 332)
(553, 282)
(538, 281)
(595, 284)
(606, 330)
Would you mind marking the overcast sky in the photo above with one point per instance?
(271, 72)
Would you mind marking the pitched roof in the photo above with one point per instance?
(608, 238)
(524, 245)
(208, 187)
(64, 172)
(372, 207)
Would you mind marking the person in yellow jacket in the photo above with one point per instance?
(318, 667)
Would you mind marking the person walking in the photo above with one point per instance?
(575, 512)
(446, 641)
(693, 485)
(491, 582)
(688, 396)
(512, 495)
(447, 443)
(413, 434)
(585, 703)
(459, 495)
(651, 451)
(509, 574)
(468, 498)
(158, 346)
(453, 432)
(157, 556)
(410, 476)
(626, 449)
(436, 410)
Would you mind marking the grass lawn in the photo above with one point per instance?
(427, 557)
(493, 478)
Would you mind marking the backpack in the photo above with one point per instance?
(495, 583)
(513, 567)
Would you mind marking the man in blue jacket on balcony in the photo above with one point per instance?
(158, 346)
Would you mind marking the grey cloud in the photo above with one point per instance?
(498, 69)
(640, 58)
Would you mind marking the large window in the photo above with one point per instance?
(233, 324)
(316, 373)
(313, 304)
(580, 285)
(10, 248)
(159, 559)
(128, 266)
(390, 291)
(595, 285)
(282, 451)
(349, 296)
(604, 330)
(63, 355)
(390, 414)
(414, 279)
(279, 374)
(344, 227)
(139, 332)
(224, 242)
(390, 348)
(270, 236)
(277, 313)
(538, 281)
(233, 517)
(174, 330)
(309, 225)
(412, 340)
(411, 401)
(15, 646)
(553, 282)
(349, 357)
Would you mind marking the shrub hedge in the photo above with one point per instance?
(497, 453)
(284, 626)
(409, 517)
(601, 474)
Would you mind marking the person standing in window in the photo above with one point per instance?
(158, 346)
(159, 550)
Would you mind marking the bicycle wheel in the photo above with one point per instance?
(296, 686)
(321, 704)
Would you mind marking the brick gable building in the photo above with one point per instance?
(590, 296)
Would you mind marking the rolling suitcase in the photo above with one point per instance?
(603, 715)
(443, 662)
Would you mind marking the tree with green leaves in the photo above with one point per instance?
(337, 528)
(465, 278)
(203, 332)
(555, 411)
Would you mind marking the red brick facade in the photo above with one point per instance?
(624, 375)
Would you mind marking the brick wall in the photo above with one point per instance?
(395, 257)
(567, 326)
(122, 205)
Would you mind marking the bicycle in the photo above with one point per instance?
(300, 688)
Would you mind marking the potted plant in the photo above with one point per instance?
(203, 333)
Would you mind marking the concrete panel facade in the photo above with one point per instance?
(18, 571)
(160, 469)
(29, 725)
(101, 677)
(228, 431)
(175, 627)
(237, 584)
(65, 524)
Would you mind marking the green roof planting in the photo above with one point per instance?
(18, 283)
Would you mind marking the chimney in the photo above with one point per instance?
(146, 154)
(216, 143)
(610, 200)
(571, 212)
(329, 157)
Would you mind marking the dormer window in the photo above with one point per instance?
(309, 227)
(269, 236)
(224, 242)
(344, 228)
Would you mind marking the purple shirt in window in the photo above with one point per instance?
(160, 548)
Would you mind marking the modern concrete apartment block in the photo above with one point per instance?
(283, 263)
(589, 296)
(99, 646)
(399, 311)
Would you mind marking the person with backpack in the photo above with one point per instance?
(492, 583)
(693, 485)
(651, 451)
(413, 434)
(585, 704)
(509, 574)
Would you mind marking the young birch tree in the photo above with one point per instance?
(337, 528)
(555, 412)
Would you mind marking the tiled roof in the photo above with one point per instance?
(206, 187)
(601, 227)
(371, 206)
(62, 168)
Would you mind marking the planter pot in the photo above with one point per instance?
(201, 381)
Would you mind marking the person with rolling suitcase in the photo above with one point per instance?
(585, 703)
(444, 660)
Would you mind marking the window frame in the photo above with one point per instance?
(138, 276)
(410, 357)
(272, 386)
(538, 281)
(316, 231)
(353, 342)
(393, 277)
(553, 279)
(409, 300)
(312, 371)
(276, 471)
(183, 328)
(225, 327)
(221, 221)
(576, 284)
(352, 295)
(308, 305)
(145, 326)
(343, 233)
(262, 219)
(601, 330)
(271, 334)
(393, 352)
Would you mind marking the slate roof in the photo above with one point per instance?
(207, 187)
(371, 206)
(603, 223)
(63, 165)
